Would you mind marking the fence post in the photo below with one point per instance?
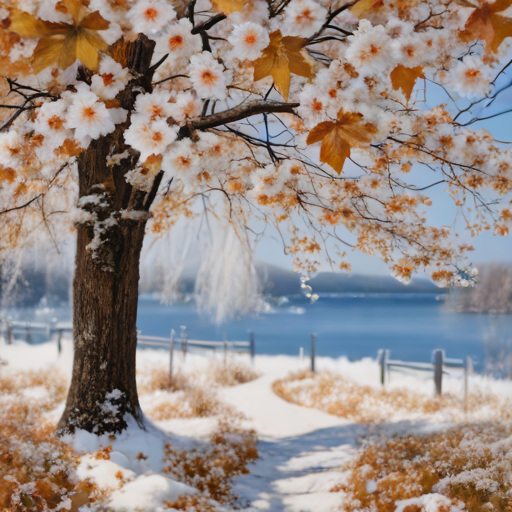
(252, 346)
(468, 368)
(29, 337)
(171, 350)
(59, 341)
(183, 341)
(10, 334)
(301, 356)
(383, 363)
(438, 371)
(313, 336)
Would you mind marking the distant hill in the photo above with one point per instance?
(278, 281)
(36, 283)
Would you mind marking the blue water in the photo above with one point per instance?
(411, 326)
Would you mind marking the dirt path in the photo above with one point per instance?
(300, 451)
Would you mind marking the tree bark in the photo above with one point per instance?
(103, 388)
(103, 391)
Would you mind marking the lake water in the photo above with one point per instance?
(411, 326)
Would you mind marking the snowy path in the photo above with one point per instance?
(300, 451)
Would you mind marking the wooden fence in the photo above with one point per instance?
(29, 330)
(185, 344)
(438, 367)
(440, 363)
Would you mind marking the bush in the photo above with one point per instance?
(335, 395)
(471, 464)
(231, 372)
(211, 468)
(195, 402)
(37, 471)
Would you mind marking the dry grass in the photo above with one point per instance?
(471, 464)
(196, 402)
(335, 395)
(211, 468)
(159, 379)
(37, 471)
(230, 372)
(218, 373)
(193, 395)
(24, 394)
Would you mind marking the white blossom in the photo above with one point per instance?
(51, 123)
(111, 80)
(304, 17)
(248, 40)
(150, 16)
(471, 78)
(11, 143)
(181, 160)
(313, 104)
(154, 105)
(207, 76)
(88, 116)
(149, 137)
(370, 50)
(178, 41)
(186, 106)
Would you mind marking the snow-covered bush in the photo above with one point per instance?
(336, 395)
(464, 469)
(211, 469)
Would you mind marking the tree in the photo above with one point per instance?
(314, 116)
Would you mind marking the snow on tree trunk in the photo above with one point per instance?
(110, 233)
(103, 387)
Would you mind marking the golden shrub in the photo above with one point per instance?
(470, 464)
(211, 468)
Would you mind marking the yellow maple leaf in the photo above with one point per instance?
(404, 78)
(63, 43)
(340, 136)
(486, 24)
(360, 7)
(281, 58)
(229, 6)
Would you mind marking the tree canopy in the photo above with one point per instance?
(315, 116)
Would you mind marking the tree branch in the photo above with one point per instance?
(208, 24)
(243, 111)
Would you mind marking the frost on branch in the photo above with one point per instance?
(227, 284)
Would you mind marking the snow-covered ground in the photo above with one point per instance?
(300, 449)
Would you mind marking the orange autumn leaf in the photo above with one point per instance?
(63, 43)
(229, 6)
(339, 137)
(7, 174)
(501, 230)
(486, 24)
(280, 59)
(362, 6)
(404, 78)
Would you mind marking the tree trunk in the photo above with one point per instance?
(103, 388)
(103, 391)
